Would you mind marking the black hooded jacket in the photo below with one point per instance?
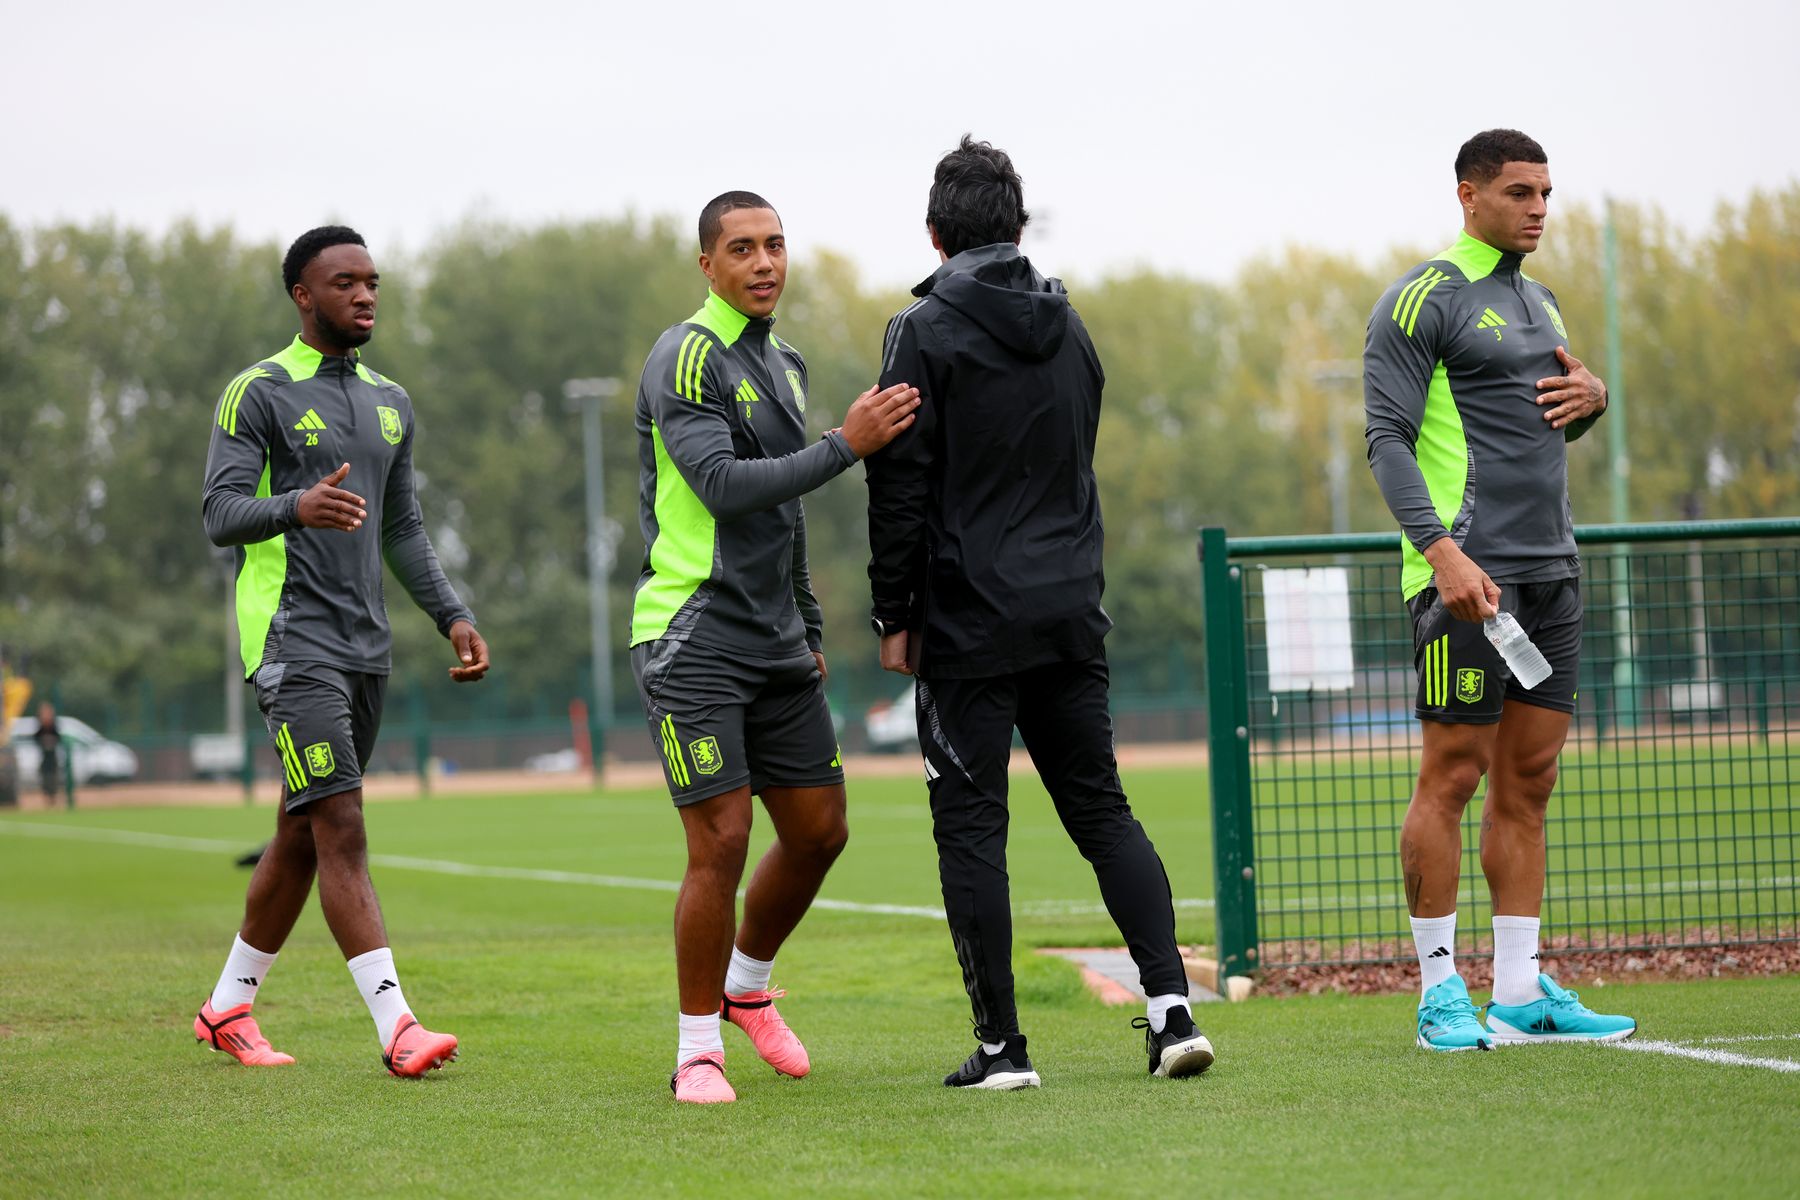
(984, 516)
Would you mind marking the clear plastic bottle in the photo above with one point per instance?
(1526, 662)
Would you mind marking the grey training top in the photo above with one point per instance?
(723, 458)
(1457, 440)
(315, 595)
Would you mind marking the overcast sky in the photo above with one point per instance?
(1187, 136)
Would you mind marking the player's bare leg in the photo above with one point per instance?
(1528, 1006)
(1520, 780)
(281, 883)
(347, 897)
(1454, 759)
(718, 841)
(346, 893)
(810, 833)
(277, 893)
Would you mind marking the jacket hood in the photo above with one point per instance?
(997, 288)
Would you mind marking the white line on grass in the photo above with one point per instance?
(440, 866)
(129, 837)
(1722, 1057)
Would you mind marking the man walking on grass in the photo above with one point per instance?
(291, 436)
(1471, 396)
(727, 639)
(985, 568)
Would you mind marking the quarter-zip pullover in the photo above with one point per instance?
(1457, 441)
(315, 595)
(723, 459)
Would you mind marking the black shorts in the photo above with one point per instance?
(721, 720)
(1462, 678)
(323, 721)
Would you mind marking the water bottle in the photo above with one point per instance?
(1526, 662)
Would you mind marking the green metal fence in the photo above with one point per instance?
(1673, 822)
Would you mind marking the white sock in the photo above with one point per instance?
(698, 1035)
(993, 1047)
(1516, 960)
(379, 984)
(245, 969)
(1435, 940)
(746, 974)
(1158, 1010)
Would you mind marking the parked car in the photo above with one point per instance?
(95, 759)
(890, 725)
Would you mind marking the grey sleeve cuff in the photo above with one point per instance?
(841, 444)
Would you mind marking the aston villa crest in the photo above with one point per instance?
(390, 424)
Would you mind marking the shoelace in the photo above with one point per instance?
(1143, 1023)
(769, 996)
(1449, 1014)
(1564, 998)
(1567, 999)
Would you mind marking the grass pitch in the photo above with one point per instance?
(113, 925)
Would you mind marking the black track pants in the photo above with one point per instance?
(1061, 711)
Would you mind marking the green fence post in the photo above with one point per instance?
(1228, 747)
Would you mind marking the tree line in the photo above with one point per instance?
(1225, 403)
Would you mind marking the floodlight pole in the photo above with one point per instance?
(1624, 667)
(1343, 373)
(589, 393)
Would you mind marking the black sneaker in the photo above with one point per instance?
(1180, 1049)
(1008, 1070)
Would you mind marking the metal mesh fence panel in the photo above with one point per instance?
(1672, 823)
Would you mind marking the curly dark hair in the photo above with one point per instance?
(1483, 156)
(977, 198)
(308, 246)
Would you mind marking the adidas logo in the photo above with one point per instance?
(1534, 958)
(1491, 320)
(1440, 952)
(385, 985)
(250, 979)
(746, 396)
(312, 420)
(1544, 1024)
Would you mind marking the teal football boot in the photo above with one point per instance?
(1448, 1021)
(1559, 1016)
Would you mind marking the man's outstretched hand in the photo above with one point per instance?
(471, 651)
(325, 505)
(877, 418)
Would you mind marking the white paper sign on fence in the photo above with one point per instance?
(1307, 614)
